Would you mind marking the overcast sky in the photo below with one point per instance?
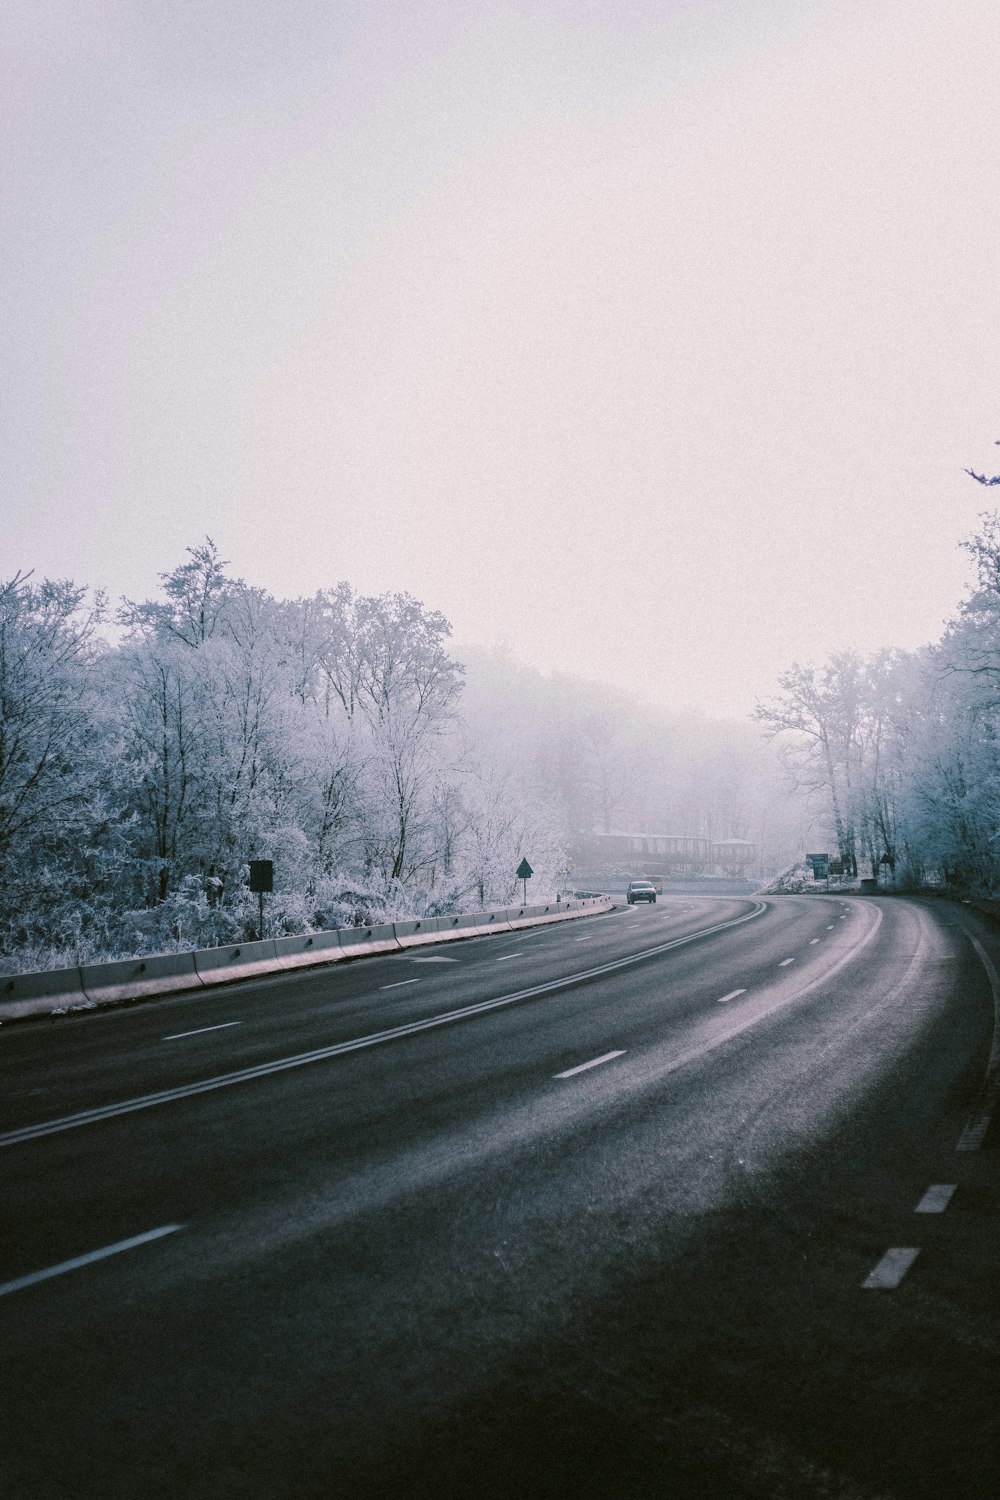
(650, 339)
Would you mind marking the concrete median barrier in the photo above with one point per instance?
(418, 930)
(356, 942)
(458, 925)
(524, 916)
(239, 961)
(492, 921)
(41, 993)
(306, 949)
(134, 978)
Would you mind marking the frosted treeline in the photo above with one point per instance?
(898, 752)
(146, 755)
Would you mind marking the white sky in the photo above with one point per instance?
(649, 338)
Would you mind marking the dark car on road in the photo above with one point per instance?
(640, 890)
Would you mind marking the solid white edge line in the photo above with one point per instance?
(974, 1134)
(936, 1198)
(594, 1063)
(731, 996)
(176, 1035)
(398, 985)
(34, 1277)
(890, 1270)
(375, 1039)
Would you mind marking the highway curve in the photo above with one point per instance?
(697, 1199)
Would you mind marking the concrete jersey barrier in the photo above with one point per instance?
(358, 942)
(492, 921)
(455, 926)
(45, 990)
(236, 961)
(309, 948)
(421, 930)
(134, 978)
(531, 916)
(52, 991)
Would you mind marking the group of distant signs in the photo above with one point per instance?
(824, 866)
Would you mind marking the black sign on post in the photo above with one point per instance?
(524, 873)
(261, 880)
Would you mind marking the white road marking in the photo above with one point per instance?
(434, 958)
(731, 996)
(785, 962)
(936, 1198)
(844, 917)
(594, 1063)
(813, 940)
(830, 927)
(504, 957)
(398, 984)
(582, 940)
(890, 1270)
(86, 1260)
(175, 1035)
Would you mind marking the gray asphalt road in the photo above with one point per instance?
(622, 1207)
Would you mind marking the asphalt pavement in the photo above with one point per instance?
(692, 1199)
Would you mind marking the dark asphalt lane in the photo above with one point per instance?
(75, 1062)
(435, 1267)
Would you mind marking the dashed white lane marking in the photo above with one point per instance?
(504, 957)
(86, 1260)
(176, 1035)
(830, 927)
(936, 1198)
(594, 1063)
(731, 996)
(398, 984)
(587, 939)
(785, 962)
(813, 940)
(844, 917)
(890, 1270)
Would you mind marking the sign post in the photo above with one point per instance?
(524, 873)
(261, 880)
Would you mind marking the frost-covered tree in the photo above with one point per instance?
(819, 712)
(47, 648)
(197, 593)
